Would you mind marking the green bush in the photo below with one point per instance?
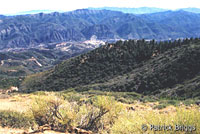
(15, 119)
(71, 97)
(172, 102)
(44, 110)
(188, 102)
(88, 113)
(160, 106)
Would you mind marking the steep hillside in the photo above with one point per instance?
(139, 66)
(24, 31)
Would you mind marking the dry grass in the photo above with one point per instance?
(129, 120)
(18, 103)
(6, 130)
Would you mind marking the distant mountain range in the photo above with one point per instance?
(34, 12)
(140, 10)
(144, 10)
(24, 31)
(193, 10)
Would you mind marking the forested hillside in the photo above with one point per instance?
(146, 67)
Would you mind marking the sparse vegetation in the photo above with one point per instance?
(100, 113)
(94, 115)
(131, 123)
(15, 119)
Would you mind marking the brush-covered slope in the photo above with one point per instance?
(139, 66)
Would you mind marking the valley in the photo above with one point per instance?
(17, 63)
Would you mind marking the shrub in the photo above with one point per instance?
(160, 106)
(172, 102)
(54, 111)
(72, 96)
(131, 122)
(109, 111)
(94, 114)
(15, 119)
(45, 110)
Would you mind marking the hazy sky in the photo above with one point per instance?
(15, 6)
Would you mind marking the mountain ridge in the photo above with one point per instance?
(31, 30)
(138, 10)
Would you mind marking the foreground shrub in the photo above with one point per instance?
(15, 119)
(97, 114)
(131, 122)
(45, 110)
(101, 115)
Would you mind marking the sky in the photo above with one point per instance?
(16, 6)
